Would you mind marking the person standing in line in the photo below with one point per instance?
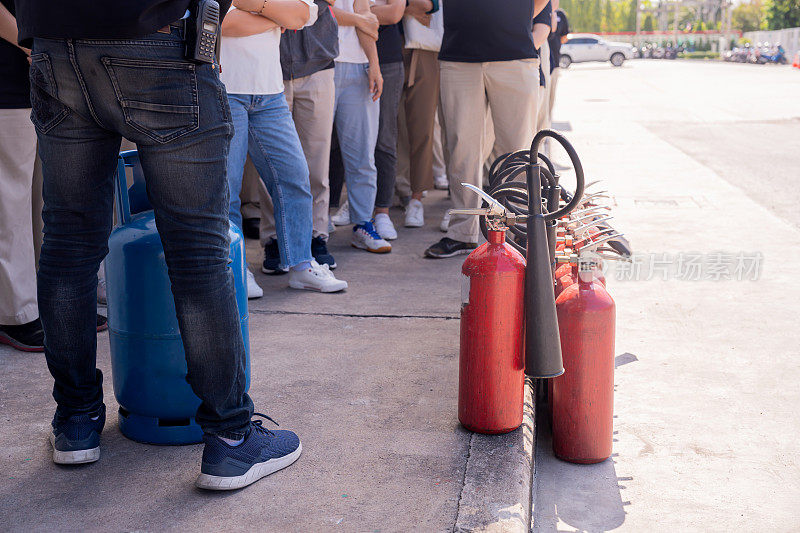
(390, 56)
(359, 84)
(264, 129)
(558, 36)
(488, 59)
(307, 63)
(541, 30)
(20, 326)
(421, 91)
(96, 75)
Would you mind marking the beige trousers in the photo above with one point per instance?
(311, 101)
(17, 260)
(551, 93)
(543, 116)
(510, 90)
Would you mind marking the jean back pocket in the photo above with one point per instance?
(158, 97)
(46, 110)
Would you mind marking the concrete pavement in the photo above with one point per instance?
(368, 378)
(701, 158)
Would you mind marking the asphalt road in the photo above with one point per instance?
(702, 160)
(742, 121)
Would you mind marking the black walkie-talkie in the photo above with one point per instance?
(202, 31)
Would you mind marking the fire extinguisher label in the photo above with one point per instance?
(464, 290)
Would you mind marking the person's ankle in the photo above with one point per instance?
(305, 265)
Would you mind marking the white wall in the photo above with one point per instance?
(789, 38)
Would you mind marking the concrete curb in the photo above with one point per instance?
(496, 493)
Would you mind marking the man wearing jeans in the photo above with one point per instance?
(88, 90)
(488, 59)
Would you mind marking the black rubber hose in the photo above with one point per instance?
(576, 164)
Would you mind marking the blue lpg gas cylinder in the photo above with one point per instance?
(148, 363)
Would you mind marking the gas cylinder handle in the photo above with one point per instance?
(497, 216)
(590, 238)
(593, 217)
(598, 194)
(591, 209)
(596, 244)
(581, 229)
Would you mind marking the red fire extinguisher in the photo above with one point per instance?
(583, 397)
(491, 377)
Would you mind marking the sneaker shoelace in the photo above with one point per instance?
(369, 228)
(321, 271)
(258, 425)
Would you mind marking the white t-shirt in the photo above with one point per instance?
(350, 50)
(252, 64)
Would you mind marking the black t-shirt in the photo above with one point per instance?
(14, 85)
(390, 44)
(562, 29)
(98, 19)
(477, 30)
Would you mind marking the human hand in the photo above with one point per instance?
(375, 80)
(423, 18)
(368, 25)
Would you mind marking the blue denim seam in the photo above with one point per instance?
(79, 75)
(284, 236)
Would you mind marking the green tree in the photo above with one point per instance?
(647, 25)
(748, 16)
(782, 14)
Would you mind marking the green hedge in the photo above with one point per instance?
(699, 55)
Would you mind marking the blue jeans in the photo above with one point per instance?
(263, 127)
(356, 122)
(86, 95)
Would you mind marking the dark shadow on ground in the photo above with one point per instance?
(584, 497)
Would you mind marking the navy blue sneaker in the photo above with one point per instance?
(263, 452)
(319, 249)
(76, 440)
(272, 259)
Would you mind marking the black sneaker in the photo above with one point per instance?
(25, 337)
(272, 259)
(251, 228)
(319, 249)
(76, 440)
(102, 323)
(449, 247)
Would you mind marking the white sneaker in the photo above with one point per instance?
(331, 226)
(415, 214)
(384, 227)
(342, 216)
(366, 238)
(445, 225)
(441, 183)
(316, 278)
(253, 290)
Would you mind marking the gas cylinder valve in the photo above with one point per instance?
(497, 217)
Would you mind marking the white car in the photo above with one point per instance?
(582, 47)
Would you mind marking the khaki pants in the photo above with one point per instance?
(420, 92)
(543, 116)
(17, 260)
(311, 100)
(509, 89)
(551, 93)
